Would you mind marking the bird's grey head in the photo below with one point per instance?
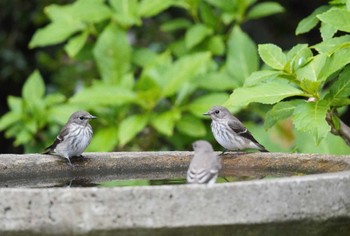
(202, 145)
(81, 118)
(218, 113)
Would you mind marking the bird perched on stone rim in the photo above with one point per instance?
(74, 137)
(205, 164)
(229, 132)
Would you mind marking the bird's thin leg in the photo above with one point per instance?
(69, 162)
(223, 152)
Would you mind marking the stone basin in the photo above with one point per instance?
(308, 195)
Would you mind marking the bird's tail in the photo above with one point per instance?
(47, 150)
(262, 148)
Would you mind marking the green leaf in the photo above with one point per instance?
(216, 45)
(216, 81)
(174, 25)
(242, 57)
(104, 139)
(9, 119)
(336, 17)
(93, 11)
(53, 99)
(201, 105)
(54, 33)
(208, 15)
(311, 117)
(102, 95)
(341, 87)
(191, 126)
(280, 111)
(298, 57)
(264, 9)
(329, 45)
(15, 103)
(267, 93)
(148, 8)
(312, 70)
(76, 43)
(336, 61)
(272, 56)
(184, 69)
(165, 122)
(113, 54)
(261, 76)
(196, 34)
(34, 88)
(327, 31)
(126, 12)
(310, 21)
(223, 4)
(130, 127)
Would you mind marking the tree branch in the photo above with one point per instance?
(343, 130)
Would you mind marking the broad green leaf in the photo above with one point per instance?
(80, 11)
(312, 70)
(148, 8)
(184, 69)
(336, 17)
(280, 111)
(298, 57)
(341, 87)
(336, 61)
(53, 99)
(113, 54)
(76, 43)
(15, 103)
(208, 15)
(196, 34)
(9, 118)
(261, 76)
(104, 139)
(176, 24)
(311, 117)
(34, 88)
(264, 9)
(102, 95)
(328, 46)
(327, 31)
(130, 127)
(126, 12)
(273, 56)
(165, 122)
(267, 93)
(242, 57)
(23, 137)
(216, 81)
(216, 45)
(54, 33)
(202, 104)
(144, 57)
(310, 21)
(191, 126)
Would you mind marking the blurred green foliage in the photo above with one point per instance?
(150, 77)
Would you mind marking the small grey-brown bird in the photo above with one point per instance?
(229, 132)
(74, 137)
(205, 164)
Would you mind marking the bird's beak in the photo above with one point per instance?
(206, 114)
(92, 117)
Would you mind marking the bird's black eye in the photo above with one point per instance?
(81, 118)
(217, 112)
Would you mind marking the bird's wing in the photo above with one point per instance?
(241, 130)
(60, 137)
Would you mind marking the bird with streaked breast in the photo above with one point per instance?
(74, 137)
(229, 132)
